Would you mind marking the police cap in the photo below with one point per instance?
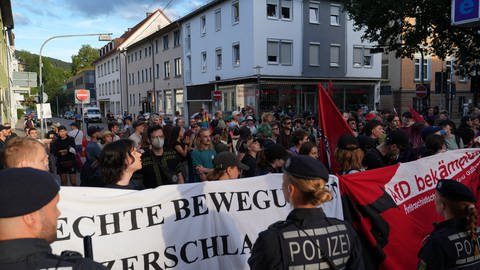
(305, 167)
(25, 190)
(455, 191)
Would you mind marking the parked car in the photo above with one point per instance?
(69, 115)
(92, 114)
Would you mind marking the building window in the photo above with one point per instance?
(279, 51)
(218, 58)
(135, 56)
(286, 9)
(109, 88)
(178, 67)
(139, 54)
(314, 54)
(165, 42)
(334, 15)
(235, 12)
(116, 63)
(385, 64)
(421, 69)
(157, 69)
(334, 55)
(150, 74)
(176, 38)
(166, 69)
(188, 69)
(203, 25)
(204, 61)
(138, 77)
(314, 13)
(236, 54)
(143, 76)
(156, 45)
(118, 86)
(272, 8)
(108, 66)
(113, 86)
(187, 37)
(149, 50)
(362, 56)
(272, 52)
(145, 52)
(218, 20)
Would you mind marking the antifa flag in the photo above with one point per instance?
(392, 208)
(331, 125)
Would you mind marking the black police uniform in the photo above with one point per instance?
(33, 253)
(449, 247)
(307, 239)
(286, 244)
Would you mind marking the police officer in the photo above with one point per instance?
(453, 244)
(28, 223)
(307, 239)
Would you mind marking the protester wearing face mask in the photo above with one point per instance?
(160, 165)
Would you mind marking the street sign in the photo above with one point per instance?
(44, 97)
(421, 91)
(465, 12)
(217, 95)
(46, 109)
(82, 96)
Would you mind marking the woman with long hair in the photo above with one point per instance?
(305, 236)
(118, 161)
(310, 149)
(454, 243)
(349, 155)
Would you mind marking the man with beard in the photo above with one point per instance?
(388, 152)
(28, 223)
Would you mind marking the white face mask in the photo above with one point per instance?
(158, 142)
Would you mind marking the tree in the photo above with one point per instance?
(84, 59)
(411, 26)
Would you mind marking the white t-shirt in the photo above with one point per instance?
(78, 137)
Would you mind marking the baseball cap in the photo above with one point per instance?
(224, 160)
(455, 191)
(348, 142)
(305, 167)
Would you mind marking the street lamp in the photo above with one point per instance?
(101, 37)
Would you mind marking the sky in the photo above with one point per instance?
(37, 20)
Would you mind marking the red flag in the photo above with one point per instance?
(84, 146)
(332, 125)
(330, 88)
(416, 116)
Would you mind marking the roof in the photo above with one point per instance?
(119, 41)
(200, 10)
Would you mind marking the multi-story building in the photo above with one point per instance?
(111, 66)
(84, 79)
(154, 67)
(402, 76)
(271, 55)
(6, 42)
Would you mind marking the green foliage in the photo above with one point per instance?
(412, 26)
(54, 73)
(84, 59)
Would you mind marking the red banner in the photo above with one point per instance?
(332, 126)
(392, 208)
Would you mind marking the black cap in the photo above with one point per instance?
(138, 123)
(2, 127)
(93, 129)
(398, 138)
(348, 142)
(366, 142)
(455, 191)
(227, 159)
(25, 190)
(305, 167)
(275, 151)
(245, 133)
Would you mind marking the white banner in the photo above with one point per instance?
(210, 225)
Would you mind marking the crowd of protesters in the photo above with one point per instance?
(146, 153)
